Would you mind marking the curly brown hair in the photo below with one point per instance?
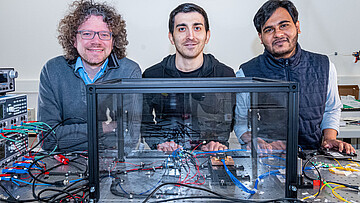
(80, 11)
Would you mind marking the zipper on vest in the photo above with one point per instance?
(287, 69)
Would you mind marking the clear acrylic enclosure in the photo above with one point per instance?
(203, 138)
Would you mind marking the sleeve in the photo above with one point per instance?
(331, 118)
(132, 111)
(215, 115)
(241, 111)
(152, 121)
(68, 136)
(121, 130)
(147, 123)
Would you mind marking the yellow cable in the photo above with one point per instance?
(344, 168)
(315, 193)
(338, 163)
(337, 195)
(355, 163)
(347, 169)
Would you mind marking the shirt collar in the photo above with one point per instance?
(79, 64)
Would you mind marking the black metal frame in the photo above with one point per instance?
(194, 85)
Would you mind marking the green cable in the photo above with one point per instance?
(19, 131)
(28, 127)
(53, 150)
(327, 184)
(38, 124)
(10, 139)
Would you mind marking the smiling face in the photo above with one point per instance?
(280, 34)
(189, 36)
(93, 52)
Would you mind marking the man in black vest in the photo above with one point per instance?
(201, 119)
(283, 59)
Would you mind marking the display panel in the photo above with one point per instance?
(233, 137)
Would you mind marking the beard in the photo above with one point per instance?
(93, 62)
(280, 52)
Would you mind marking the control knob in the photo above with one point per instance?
(13, 74)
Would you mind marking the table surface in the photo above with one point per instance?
(326, 195)
(136, 182)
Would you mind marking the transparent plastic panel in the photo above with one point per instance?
(230, 143)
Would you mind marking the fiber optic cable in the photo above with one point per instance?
(236, 181)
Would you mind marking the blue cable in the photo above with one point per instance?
(14, 179)
(122, 189)
(221, 151)
(264, 176)
(152, 187)
(243, 187)
(71, 181)
(15, 183)
(236, 181)
(281, 167)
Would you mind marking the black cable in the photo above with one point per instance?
(304, 166)
(354, 160)
(319, 179)
(49, 132)
(355, 187)
(185, 185)
(49, 169)
(61, 195)
(192, 197)
(7, 192)
(75, 190)
(117, 181)
(57, 196)
(11, 197)
(232, 200)
(207, 160)
(56, 190)
(74, 183)
(36, 178)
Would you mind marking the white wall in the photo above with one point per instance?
(28, 34)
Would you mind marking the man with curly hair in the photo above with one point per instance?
(93, 37)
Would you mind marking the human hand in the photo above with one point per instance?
(213, 146)
(278, 145)
(108, 127)
(338, 144)
(168, 146)
(262, 145)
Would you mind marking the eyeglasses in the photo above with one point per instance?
(88, 34)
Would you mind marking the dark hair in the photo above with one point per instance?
(187, 8)
(268, 8)
(80, 11)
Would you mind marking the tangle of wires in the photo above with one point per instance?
(185, 169)
(305, 168)
(327, 183)
(180, 165)
(74, 182)
(30, 168)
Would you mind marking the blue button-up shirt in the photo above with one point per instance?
(79, 66)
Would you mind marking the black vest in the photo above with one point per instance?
(311, 71)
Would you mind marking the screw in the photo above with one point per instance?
(293, 188)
